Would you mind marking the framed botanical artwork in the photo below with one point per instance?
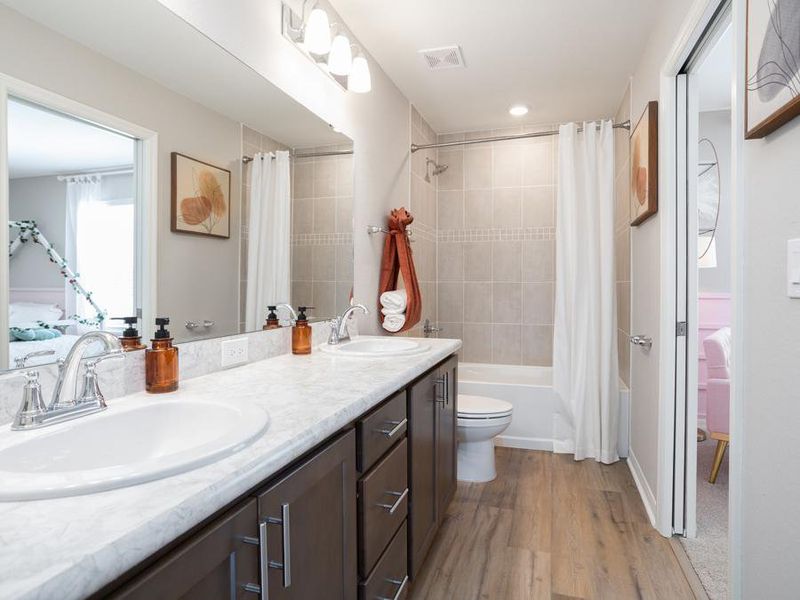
(644, 166)
(772, 92)
(201, 195)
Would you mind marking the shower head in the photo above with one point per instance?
(437, 169)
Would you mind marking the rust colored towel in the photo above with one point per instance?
(397, 259)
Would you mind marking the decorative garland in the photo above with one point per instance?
(28, 230)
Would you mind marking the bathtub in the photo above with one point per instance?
(530, 391)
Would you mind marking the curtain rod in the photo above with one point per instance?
(502, 138)
(95, 174)
(247, 159)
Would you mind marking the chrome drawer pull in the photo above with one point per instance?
(393, 507)
(441, 380)
(286, 565)
(398, 425)
(262, 560)
(400, 582)
(252, 588)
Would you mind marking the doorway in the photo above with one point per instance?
(703, 303)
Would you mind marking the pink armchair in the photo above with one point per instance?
(717, 347)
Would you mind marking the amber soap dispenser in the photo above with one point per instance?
(301, 332)
(272, 319)
(130, 338)
(161, 361)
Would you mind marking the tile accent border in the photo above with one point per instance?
(497, 235)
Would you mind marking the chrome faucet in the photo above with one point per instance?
(66, 403)
(339, 332)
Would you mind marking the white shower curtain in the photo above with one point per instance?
(81, 191)
(585, 370)
(268, 242)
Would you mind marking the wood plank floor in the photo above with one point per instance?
(550, 527)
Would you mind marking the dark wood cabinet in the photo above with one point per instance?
(308, 521)
(432, 456)
(221, 562)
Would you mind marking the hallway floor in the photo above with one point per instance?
(550, 527)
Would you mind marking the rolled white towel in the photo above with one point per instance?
(394, 323)
(396, 300)
(393, 311)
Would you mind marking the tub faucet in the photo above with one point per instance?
(339, 331)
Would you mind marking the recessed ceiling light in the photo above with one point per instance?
(518, 110)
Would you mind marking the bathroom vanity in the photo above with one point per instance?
(341, 497)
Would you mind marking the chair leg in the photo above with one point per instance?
(722, 445)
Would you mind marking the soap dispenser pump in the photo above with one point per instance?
(272, 318)
(161, 361)
(301, 332)
(130, 338)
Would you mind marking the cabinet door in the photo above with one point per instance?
(219, 562)
(309, 521)
(422, 423)
(446, 413)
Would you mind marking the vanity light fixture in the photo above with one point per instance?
(340, 58)
(317, 35)
(359, 80)
(518, 110)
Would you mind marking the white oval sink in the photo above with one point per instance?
(131, 442)
(377, 347)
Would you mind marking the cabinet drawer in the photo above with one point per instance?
(390, 577)
(379, 430)
(382, 505)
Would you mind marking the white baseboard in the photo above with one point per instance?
(525, 443)
(648, 498)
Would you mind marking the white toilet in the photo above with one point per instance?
(480, 420)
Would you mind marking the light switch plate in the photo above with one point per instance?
(234, 352)
(793, 268)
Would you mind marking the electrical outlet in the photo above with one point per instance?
(234, 352)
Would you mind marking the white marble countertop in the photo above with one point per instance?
(70, 547)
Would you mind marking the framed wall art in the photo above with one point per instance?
(772, 92)
(201, 196)
(644, 166)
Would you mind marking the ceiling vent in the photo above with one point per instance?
(448, 57)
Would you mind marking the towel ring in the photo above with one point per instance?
(375, 229)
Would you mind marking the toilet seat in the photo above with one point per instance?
(482, 408)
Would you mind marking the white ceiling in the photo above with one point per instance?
(566, 59)
(41, 142)
(715, 75)
(147, 37)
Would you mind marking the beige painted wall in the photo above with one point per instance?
(378, 122)
(204, 270)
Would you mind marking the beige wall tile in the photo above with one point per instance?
(303, 215)
(538, 206)
(301, 263)
(323, 263)
(537, 303)
(451, 301)
(507, 165)
(324, 302)
(343, 290)
(450, 210)
(477, 302)
(450, 264)
(324, 215)
(303, 179)
(477, 168)
(477, 343)
(451, 331)
(453, 178)
(344, 262)
(506, 208)
(302, 293)
(507, 303)
(506, 344)
(477, 261)
(478, 209)
(507, 261)
(537, 345)
(537, 163)
(324, 177)
(344, 214)
(538, 260)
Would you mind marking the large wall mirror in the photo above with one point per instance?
(194, 189)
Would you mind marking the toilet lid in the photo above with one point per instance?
(482, 407)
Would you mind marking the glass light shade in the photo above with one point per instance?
(317, 37)
(518, 110)
(359, 80)
(340, 59)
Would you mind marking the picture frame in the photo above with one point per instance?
(201, 195)
(644, 166)
(772, 67)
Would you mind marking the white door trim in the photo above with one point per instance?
(698, 19)
(146, 188)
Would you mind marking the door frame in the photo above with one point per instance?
(145, 183)
(700, 16)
